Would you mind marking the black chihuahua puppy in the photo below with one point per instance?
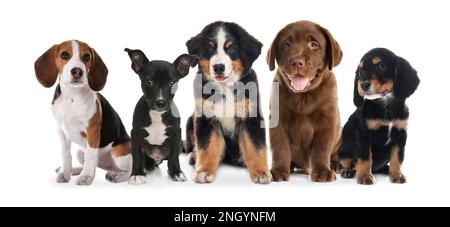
(374, 137)
(156, 134)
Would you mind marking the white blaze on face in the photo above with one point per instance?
(74, 62)
(221, 57)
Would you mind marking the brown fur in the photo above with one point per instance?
(49, 64)
(238, 68)
(401, 124)
(204, 66)
(376, 60)
(376, 124)
(208, 159)
(308, 132)
(395, 166)
(361, 65)
(364, 171)
(255, 160)
(360, 90)
(346, 164)
(383, 88)
(121, 149)
(94, 128)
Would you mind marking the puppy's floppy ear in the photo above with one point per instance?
(406, 80)
(138, 60)
(194, 45)
(98, 73)
(358, 100)
(272, 52)
(251, 47)
(333, 51)
(184, 62)
(45, 67)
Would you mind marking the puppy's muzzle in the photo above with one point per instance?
(365, 85)
(161, 105)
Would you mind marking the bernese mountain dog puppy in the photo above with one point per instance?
(374, 137)
(227, 124)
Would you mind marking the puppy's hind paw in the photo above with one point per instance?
(179, 177)
(278, 176)
(117, 177)
(397, 179)
(85, 180)
(136, 180)
(347, 173)
(61, 177)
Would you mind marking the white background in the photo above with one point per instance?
(416, 30)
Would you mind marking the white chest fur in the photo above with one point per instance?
(73, 110)
(156, 130)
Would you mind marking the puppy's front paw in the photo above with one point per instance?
(279, 176)
(347, 173)
(366, 179)
(204, 177)
(62, 177)
(85, 180)
(323, 176)
(117, 177)
(191, 158)
(262, 178)
(397, 178)
(336, 166)
(179, 177)
(136, 180)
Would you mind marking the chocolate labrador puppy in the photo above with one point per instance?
(308, 132)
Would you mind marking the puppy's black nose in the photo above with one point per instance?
(76, 72)
(365, 85)
(161, 104)
(219, 68)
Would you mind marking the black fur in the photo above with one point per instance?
(357, 139)
(246, 49)
(112, 130)
(158, 81)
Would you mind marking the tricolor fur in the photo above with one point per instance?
(227, 124)
(83, 116)
(374, 137)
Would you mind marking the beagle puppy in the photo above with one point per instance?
(84, 116)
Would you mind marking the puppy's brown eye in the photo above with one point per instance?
(86, 57)
(287, 44)
(211, 45)
(150, 83)
(313, 45)
(381, 67)
(171, 83)
(229, 45)
(64, 55)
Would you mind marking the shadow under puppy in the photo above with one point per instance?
(156, 134)
(375, 134)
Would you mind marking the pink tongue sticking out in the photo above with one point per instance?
(299, 82)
